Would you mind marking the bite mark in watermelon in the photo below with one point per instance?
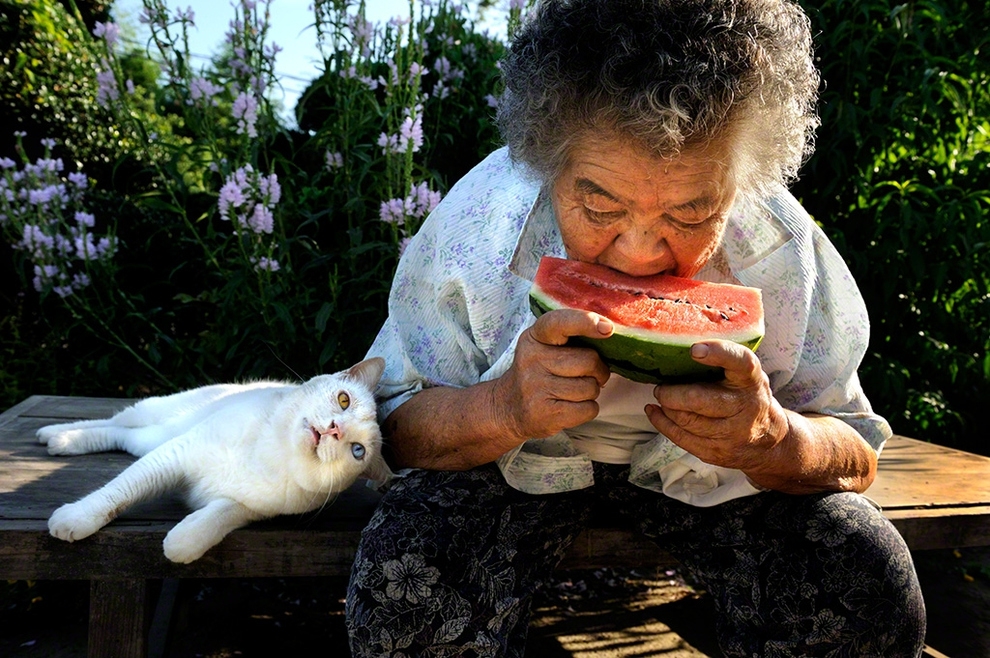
(656, 318)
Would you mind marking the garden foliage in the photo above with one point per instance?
(900, 180)
(227, 245)
(242, 248)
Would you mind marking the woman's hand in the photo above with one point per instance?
(735, 422)
(550, 385)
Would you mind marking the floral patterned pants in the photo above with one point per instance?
(450, 560)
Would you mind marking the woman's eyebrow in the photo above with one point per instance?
(588, 186)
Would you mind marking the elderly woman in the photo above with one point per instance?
(650, 136)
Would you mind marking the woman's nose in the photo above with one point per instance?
(639, 253)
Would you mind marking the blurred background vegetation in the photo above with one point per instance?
(900, 181)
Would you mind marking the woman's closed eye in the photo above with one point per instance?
(603, 217)
(690, 222)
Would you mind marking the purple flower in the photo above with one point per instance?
(245, 110)
(107, 91)
(334, 160)
(35, 241)
(187, 16)
(411, 132)
(203, 89)
(271, 191)
(420, 201)
(109, 31)
(392, 212)
(266, 264)
(389, 143)
(231, 196)
(251, 197)
(261, 220)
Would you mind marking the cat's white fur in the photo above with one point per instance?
(239, 453)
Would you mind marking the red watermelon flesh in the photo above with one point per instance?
(657, 318)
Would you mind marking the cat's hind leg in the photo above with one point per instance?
(205, 528)
(138, 441)
(46, 433)
(81, 441)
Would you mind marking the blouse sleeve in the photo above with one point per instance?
(822, 328)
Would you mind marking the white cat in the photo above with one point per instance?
(239, 452)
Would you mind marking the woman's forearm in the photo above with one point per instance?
(819, 453)
(449, 429)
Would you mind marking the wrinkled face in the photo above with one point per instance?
(619, 206)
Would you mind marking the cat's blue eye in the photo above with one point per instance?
(357, 450)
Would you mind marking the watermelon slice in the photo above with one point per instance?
(656, 318)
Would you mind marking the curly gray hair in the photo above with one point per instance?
(674, 75)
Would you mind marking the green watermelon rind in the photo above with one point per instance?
(629, 354)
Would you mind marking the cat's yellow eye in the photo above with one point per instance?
(344, 400)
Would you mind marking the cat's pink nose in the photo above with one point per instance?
(333, 430)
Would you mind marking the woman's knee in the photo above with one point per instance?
(449, 560)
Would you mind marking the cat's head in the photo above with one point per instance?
(335, 429)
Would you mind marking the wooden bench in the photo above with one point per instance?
(935, 496)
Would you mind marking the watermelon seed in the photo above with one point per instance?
(724, 316)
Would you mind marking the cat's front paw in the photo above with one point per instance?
(183, 547)
(72, 522)
(46, 433)
(64, 442)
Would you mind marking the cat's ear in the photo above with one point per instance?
(377, 471)
(368, 372)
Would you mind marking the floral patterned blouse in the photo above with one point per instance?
(459, 301)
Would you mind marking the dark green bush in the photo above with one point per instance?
(901, 182)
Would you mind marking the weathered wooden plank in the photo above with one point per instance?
(135, 551)
(60, 408)
(934, 528)
(614, 547)
(117, 618)
(914, 473)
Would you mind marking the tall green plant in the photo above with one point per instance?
(247, 249)
(901, 181)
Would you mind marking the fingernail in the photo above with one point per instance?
(699, 350)
(604, 326)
